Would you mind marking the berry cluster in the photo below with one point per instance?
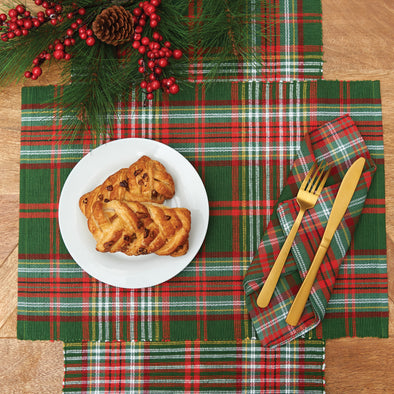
(155, 53)
(20, 22)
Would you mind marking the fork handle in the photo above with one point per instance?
(266, 292)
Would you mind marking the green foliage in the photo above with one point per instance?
(100, 76)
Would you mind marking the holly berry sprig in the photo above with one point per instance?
(20, 22)
(155, 53)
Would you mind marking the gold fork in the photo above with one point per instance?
(307, 196)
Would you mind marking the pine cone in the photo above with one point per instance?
(114, 25)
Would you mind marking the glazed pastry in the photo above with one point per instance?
(144, 180)
(137, 228)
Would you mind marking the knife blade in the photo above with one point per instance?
(341, 203)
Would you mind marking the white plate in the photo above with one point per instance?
(117, 269)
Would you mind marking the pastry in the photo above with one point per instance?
(137, 228)
(144, 180)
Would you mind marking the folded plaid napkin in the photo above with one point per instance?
(339, 144)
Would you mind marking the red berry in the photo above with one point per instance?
(141, 62)
(20, 9)
(83, 36)
(36, 61)
(49, 11)
(143, 84)
(28, 24)
(137, 11)
(58, 8)
(74, 26)
(79, 21)
(151, 64)
(59, 47)
(142, 22)
(10, 35)
(149, 96)
(58, 54)
(67, 42)
(70, 15)
(90, 41)
(47, 56)
(153, 24)
(141, 69)
(138, 29)
(145, 41)
(3, 17)
(36, 71)
(26, 14)
(157, 70)
(82, 11)
(141, 49)
(174, 89)
(149, 9)
(152, 77)
(155, 84)
(4, 37)
(156, 36)
(156, 3)
(25, 32)
(70, 32)
(163, 63)
(136, 44)
(28, 74)
(67, 56)
(12, 13)
(45, 4)
(167, 44)
(177, 54)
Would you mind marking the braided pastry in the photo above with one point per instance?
(136, 228)
(144, 180)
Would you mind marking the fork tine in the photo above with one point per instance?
(308, 175)
(312, 182)
(319, 173)
(327, 170)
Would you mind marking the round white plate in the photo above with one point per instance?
(117, 269)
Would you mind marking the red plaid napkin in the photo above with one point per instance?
(339, 144)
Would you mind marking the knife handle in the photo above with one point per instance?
(302, 296)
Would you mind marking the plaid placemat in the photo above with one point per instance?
(285, 37)
(193, 367)
(242, 138)
(338, 144)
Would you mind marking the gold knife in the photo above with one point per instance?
(342, 200)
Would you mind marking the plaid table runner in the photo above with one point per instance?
(242, 138)
(291, 48)
(193, 366)
(337, 143)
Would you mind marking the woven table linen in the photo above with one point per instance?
(285, 37)
(338, 144)
(193, 367)
(242, 138)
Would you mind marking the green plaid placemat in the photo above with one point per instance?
(193, 367)
(286, 38)
(242, 139)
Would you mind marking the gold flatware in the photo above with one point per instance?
(341, 203)
(307, 196)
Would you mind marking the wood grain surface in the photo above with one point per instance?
(358, 38)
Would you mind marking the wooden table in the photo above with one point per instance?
(358, 38)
